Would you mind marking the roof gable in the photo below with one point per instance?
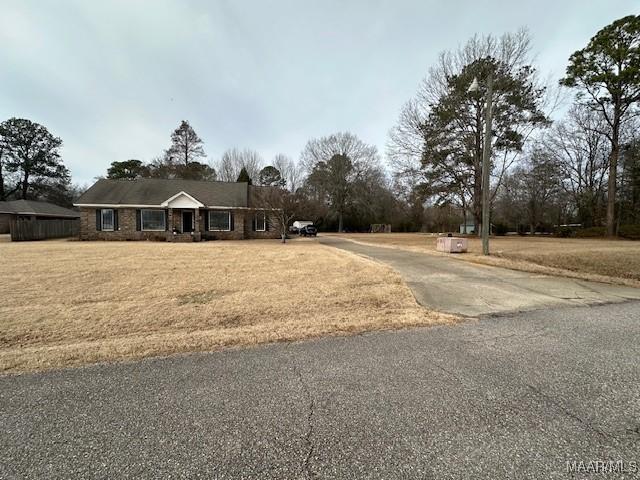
(182, 200)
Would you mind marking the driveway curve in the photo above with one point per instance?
(473, 290)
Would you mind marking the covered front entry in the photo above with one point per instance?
(184, 225)
(183, 213)
(187, 221)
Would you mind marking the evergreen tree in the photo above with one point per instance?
(244, 176)
(186, 146)
(32, 154)
(270, 176)
(128, 169)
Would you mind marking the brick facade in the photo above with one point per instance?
(238, 232)
(242, 226)
(271, 231)
(126, 227)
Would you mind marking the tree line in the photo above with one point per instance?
(339, 181)
(583, 169)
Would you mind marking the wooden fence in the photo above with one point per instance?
(23, 230)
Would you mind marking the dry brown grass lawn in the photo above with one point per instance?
(614, 261)
(71, 303)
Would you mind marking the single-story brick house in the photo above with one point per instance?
(29, 210)
(173, 210)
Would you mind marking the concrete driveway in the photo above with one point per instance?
(516, 396)
(450, 285)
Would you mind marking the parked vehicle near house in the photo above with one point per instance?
(308, 231)
(298, 224)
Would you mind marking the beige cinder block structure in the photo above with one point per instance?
(451, 244)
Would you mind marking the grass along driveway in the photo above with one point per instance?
(72, 303)
(612, 261)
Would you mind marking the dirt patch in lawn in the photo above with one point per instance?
(604, 260)
(74, 303)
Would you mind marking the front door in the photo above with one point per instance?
(187, 221)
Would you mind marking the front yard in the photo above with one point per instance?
(613, 261)
(69, 303)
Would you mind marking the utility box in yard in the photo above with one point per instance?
(451, 244)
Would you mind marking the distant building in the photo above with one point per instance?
(470, 225)
(21, 210)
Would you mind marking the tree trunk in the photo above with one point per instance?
(613, 173)
(464, 220)
(593, 210)
(477, 177)
(611, 194)
(477, 204)
(340, 225)
(25, 186)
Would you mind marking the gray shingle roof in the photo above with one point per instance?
(32, 207)
(255, 195)
(154, 191)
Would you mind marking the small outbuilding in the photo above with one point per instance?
(468, 226)
(31, 212)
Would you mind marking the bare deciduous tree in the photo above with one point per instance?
(282, 206)
(539, 183)
(337, 165)
(361, 155)
(234, 160)
(580, 149)
(289, 170)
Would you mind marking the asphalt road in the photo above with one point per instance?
(450, 285)
(513, 396)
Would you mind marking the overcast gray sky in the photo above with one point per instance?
(114, 78)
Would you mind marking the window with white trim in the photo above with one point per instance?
(107, 219)
(219, 221)
(260, 222)
(152, 220)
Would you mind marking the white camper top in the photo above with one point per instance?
(301, 223)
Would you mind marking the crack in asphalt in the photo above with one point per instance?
(559, 406)
(305, 467)
(634, 432)
(568, 412)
